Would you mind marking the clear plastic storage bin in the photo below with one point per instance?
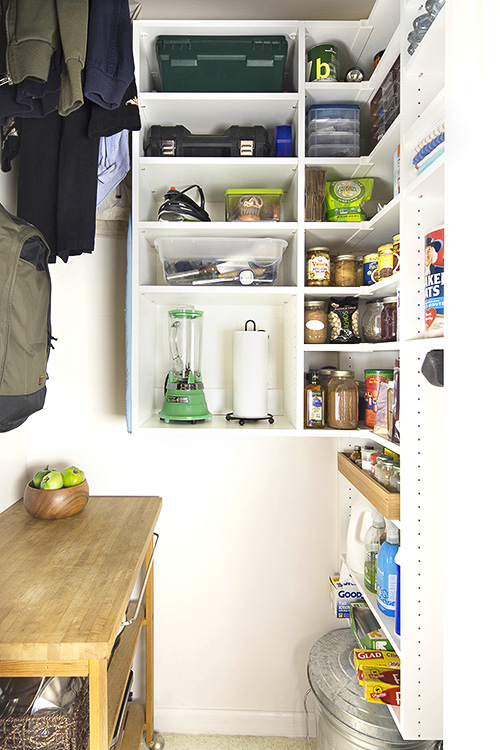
(333, 144)
(333, 117)
(258, 204)
(226, 261)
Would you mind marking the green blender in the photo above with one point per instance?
(184, 395)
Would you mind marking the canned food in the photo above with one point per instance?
(385, 261)
(373, 378)
(323, 63)
(395, 253)
(370, 269)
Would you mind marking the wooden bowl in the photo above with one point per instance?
(52, 504)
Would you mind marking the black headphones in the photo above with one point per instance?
(178, 206)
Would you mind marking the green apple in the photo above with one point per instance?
(37, 479)
(71, 476)
(52, 481)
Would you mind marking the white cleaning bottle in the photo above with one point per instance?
(359, 523)
(387, 572)
(375, 537)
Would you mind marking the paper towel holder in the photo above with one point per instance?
(241, 420)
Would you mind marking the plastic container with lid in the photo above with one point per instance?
(259, 204)
(315, 329)
(344, 270)
(389, 319)
(333, 118)
(343, 401)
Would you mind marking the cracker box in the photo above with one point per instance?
(377, 659)
(341, 596)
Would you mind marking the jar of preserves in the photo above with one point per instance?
(385, 261)
(315, 322)
(318, 267)
(389, 319)
(371, 322)
(343, 401)
(344, 270)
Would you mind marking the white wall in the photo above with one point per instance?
(247, 531)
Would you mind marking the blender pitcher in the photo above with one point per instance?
(184, 395)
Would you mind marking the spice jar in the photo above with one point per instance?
(343, 401)
(371, 324)
(389, 319)
(385, 261)
(344, 270)
(382, 470)
(318, 267)
(315, 322)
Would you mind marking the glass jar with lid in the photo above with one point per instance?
(395, 480)
(343, 401)
(344, 270)
(389, 319)
(315, 322)
(371, 322)
(325, 375)
(383, 470)
(318, 266)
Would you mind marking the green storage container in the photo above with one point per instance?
(222, 63)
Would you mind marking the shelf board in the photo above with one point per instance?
(388, 346)
(386, 502)
(211, 295)
(386, 287)
(153, 229)
(119, 669)
(219, 423)
(133, 728)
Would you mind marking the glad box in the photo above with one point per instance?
(341, 596)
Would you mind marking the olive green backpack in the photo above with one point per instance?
(25, 329)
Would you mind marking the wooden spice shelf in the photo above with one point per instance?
(384, 501)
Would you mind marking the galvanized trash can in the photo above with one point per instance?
(344, 719)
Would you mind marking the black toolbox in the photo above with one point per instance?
(177, 140)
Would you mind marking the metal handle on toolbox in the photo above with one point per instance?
(143, 589)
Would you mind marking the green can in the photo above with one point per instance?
(323, 63)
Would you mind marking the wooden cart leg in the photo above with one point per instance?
(149, 651)
(98, 704)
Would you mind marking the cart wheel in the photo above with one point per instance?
(271, 420)
(228, 418)
(241, 422)
(158, 742)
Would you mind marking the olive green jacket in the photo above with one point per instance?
(34, 28)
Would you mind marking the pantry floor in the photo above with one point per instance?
(219, 742)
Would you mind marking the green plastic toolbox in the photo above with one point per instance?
(222, 63)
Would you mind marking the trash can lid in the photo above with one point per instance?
(334, 682)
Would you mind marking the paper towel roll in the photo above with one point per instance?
(250, 363)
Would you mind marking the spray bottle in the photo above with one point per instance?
(387, 572)
(375, 537)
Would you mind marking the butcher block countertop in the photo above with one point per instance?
(65, 584)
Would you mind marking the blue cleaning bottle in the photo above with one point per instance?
(387, 571)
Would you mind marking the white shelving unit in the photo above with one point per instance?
(279, 309)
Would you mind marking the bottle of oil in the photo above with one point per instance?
(314, 402)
